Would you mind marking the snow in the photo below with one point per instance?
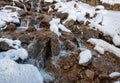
(101, 46)
(55, 25)
(16, 53)
(110, 22)
(117, 82)
(111, 2)
(84, 57)
(106, 21)
(75, 10)
(12, 72)
(8, 16)
(51, 1)
(114, 74)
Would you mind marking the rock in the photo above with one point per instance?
(55, 48)
(46, 44)
(66, 67)
(102, 65)
(70, 45)
(62, 16)
(88, 33)
(44, 21)
(19, 4)
(67, 36)
(25, 39)
(4, 46)
(69, 23)
(22, 13)
(10, 27)
(90, 74)
(31, 28)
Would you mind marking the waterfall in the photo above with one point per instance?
(25, 8)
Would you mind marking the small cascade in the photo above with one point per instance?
(13, 3)
(81, 46)
(24, 25)
(25, 8)
(62, 48)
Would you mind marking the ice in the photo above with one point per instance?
(11, 72)
(8, 16)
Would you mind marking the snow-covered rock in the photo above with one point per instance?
(84, 57)
(107, 22)
(8, 16)
(11, 72)
(101, 46)
(114, 74)
(55, 25)
(16, 53)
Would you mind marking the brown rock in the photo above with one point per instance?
(4, 46)
(31, 28)
(63, 16)
(69, 23)
(89, 74)
(88, 33)
(70, 45)
(55, 48)
(10, 27)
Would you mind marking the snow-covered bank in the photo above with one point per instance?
(101, 46)
(111, 2)
(11, 72)
(7, 16)
(16, 53)
(104, 20)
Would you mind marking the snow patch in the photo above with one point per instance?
(11, 72)
(7, 16)
(111, 2)
(101, 46)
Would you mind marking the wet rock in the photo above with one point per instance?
(4, 46)
(70, 45)
(31, 28)
(46, 44)
(90, 74)
(10, 27)
(55, 48)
